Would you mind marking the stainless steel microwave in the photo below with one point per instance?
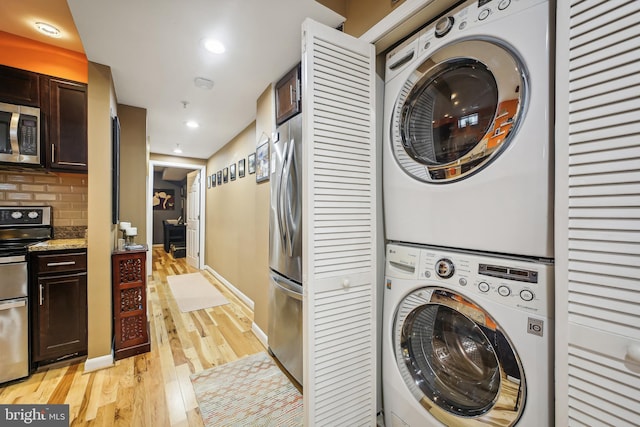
(19, 134)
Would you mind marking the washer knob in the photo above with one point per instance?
(443, 26)
(444, 268)
(504, 291)
(483, 287)
(526, 295)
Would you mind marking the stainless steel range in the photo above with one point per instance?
(19, 228)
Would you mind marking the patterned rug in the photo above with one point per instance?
(251, 391)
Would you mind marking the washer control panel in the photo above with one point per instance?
(516, 282)
(453, 24)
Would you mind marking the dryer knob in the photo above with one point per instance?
(444, 268)
(443, 26)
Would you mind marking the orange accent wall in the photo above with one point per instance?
(27, 54)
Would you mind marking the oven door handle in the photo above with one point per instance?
(13, 259)
(12, 304)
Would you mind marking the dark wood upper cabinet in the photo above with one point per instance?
(20, 87)
(288, 96)
(66, 147)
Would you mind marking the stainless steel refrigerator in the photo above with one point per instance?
(285, 250)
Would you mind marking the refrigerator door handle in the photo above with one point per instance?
(291, 289)
(280, 202)
(291, 224)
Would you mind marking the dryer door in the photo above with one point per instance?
(458, 110)
(456, 360)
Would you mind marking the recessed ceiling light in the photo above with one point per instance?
(192, 124)
(214, 46)
(177, 150)
(48, 29)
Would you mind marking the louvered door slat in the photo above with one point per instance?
(598, 213)
(339, 216)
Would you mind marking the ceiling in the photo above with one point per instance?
(154, 49)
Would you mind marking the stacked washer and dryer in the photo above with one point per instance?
(468, 200)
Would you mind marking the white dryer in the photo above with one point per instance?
(467, 339)
(468, 125)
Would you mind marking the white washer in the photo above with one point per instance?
(467, 137)
(467, 339)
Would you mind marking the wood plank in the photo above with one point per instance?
(151, 389)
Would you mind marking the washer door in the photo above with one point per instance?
(458, 110)
(456, 361)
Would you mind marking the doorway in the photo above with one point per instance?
(174, 214)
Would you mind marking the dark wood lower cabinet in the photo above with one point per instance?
(59, 306)
(130, 327)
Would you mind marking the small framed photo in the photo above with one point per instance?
(252, 163)
(213, 180)
(225, 175)
(219, 174)
(262, 162)
(232, 171)
(241, 164)
(208, 182)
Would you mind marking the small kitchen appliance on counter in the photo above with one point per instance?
(20, 227)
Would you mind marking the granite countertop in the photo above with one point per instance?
(58, 244)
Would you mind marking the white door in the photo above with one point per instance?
(339, 228)
(597, 214)
(193, 219)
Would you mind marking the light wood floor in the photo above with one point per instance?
(151, 389)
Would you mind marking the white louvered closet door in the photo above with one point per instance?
(598, 213)
(339, 220)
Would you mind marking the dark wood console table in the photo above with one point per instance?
(130, 326)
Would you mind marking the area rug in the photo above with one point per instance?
(251, 391)
(194, 292)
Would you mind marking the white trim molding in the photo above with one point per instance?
(259, 333)
(97, 363)
(245, 299)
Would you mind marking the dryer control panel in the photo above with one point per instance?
(520, 283)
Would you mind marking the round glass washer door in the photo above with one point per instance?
(458, 110)
(456, 360)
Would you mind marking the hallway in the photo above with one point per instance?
(151, 389)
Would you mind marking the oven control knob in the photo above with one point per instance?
(33, 214)
(16, 214)
(444, 268)
(443, 26)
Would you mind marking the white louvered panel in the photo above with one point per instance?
(612, 92)
(602, 210)
(606, 246)
(339, 202)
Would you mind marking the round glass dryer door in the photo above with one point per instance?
(456, 361)
(458, 110)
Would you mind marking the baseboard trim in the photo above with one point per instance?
(259, 333)
(245, 299)
(97, 363)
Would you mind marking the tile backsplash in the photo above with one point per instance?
(66, 193)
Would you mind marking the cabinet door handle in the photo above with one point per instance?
(58, 264)
(53, 153)
(291, 100)
(41, 294)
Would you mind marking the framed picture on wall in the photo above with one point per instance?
(208, 182)
(164, 199)
(262, 162)
(225, 175)
(219, 174)
(232, 171)
(241, 164)
(213, 180)
(252, 163)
